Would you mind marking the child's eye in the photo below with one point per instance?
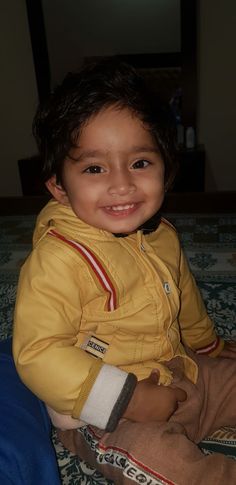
(141, 164)
(94, 169)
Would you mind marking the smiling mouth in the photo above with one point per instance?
(120, 207)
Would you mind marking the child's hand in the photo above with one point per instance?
(229, 350)
(151, 402)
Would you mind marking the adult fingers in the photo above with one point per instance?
(180, 394)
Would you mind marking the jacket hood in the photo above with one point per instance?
(63, 219)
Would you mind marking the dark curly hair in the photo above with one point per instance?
(60, 119)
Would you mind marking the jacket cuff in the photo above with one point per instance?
(108, 398)
(122, 402)
(212, 349)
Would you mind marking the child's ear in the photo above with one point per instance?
(57, 190)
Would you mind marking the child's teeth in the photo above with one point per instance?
(122, 207)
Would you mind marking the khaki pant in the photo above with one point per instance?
(166, 453)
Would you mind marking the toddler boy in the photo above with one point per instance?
(110, 329)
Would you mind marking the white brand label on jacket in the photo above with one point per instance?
(94, 346)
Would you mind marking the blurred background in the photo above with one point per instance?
(186, 48)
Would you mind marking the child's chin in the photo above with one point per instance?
(118, 227)
(123, 230)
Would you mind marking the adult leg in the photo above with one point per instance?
(26, 453)
(152, 453)
(167, 453)
(212, 400)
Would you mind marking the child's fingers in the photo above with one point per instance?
(154, 376)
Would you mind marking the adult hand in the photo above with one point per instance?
(153, 402)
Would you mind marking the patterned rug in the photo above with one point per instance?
(209, 242)
(210, 246)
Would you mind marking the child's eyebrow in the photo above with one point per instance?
(88, 154)
(145, 149)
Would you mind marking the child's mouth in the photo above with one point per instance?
(121, 209)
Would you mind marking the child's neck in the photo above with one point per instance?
(149, 226)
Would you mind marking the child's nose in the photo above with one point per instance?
(121, 184)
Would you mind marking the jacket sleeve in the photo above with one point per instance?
(46, 323)
(197, 329)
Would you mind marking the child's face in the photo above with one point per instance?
(117, 182)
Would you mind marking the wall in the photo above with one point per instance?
(217, 91)
(217, 87)
(108, 27)
(18, 94)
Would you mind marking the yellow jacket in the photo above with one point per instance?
(93, 309)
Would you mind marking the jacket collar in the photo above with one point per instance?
(63, 219)
(149, 226)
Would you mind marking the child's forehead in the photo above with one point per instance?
(108, 116)
(113, 130)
